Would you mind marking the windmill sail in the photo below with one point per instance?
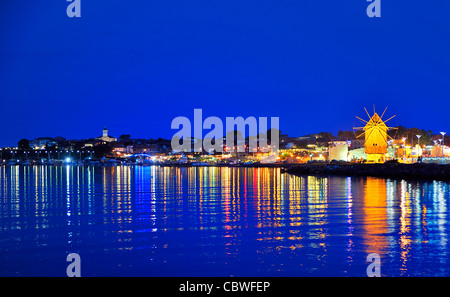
(376, 137)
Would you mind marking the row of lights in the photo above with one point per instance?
(419, 136)
(15, 152)
(441, 142)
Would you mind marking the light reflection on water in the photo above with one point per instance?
(211, 221)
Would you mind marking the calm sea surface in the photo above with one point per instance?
(206, 221)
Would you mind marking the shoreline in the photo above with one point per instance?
(257, 165)
(414, 171)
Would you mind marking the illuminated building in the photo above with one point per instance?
(338, 149)
(376, 137)
(43, 142)
(105, 137)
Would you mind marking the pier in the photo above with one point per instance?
(415, 171)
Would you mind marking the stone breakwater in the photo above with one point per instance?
(418, 171)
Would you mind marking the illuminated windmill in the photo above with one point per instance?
(376, 136)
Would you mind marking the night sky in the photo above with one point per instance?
(136, 65)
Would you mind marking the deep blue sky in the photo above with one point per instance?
(136, 65)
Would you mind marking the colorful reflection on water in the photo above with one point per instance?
(211, 221)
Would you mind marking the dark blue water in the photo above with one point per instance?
(160, 221)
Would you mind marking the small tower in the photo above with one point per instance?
(376, 137)
(105, 137)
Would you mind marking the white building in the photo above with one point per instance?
(338, 150)
(106, 136)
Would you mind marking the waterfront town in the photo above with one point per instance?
(400, 145)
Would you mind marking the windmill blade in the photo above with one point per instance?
(367, 113)
(389, 119)
(358, 136)
(383, 112)
(370, 133)
(379, 132)
(382, 134)
(362, 120)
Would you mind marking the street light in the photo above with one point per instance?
(404, 149)
(418, 144)
(418, 139)
(443, 144)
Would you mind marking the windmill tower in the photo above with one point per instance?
(376, 137)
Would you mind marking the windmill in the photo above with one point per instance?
(376, 136)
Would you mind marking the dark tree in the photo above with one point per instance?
(347, 134)
(102, 150)
(24, 144)
(326, 135)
